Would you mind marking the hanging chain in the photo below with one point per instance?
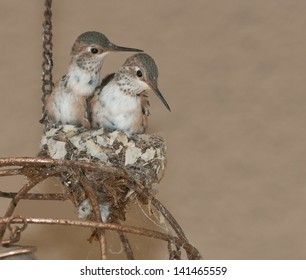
(47, 64)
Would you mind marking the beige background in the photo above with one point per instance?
(233, 73)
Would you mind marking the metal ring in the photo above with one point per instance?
(23, 222)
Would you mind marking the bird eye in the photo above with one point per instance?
(94, 50)
(139, 73)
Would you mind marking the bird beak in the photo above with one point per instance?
(160, 96)
(114, 48)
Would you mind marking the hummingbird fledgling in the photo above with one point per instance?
(67, 104)
(121, 102)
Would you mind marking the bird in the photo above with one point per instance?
(121, 101)
(67, 103)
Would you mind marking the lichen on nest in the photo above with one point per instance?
(141, 156)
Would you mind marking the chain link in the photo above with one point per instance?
(47, 65)
(15, 231)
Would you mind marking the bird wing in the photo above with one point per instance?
(93, 99)
(106, 80)
(145, 105)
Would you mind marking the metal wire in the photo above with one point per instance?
(191, 251)
(39, 169)
(17, 253)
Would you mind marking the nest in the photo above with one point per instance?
(102, 172)
(142, 158)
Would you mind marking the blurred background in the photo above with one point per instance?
(233, 73)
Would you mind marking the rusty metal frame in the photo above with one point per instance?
(39, 169)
